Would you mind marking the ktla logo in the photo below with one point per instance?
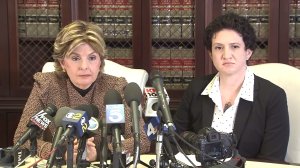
(150, 92)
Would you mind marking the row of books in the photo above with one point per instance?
(38, 18)
(38, 26)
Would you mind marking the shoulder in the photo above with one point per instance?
(266, 85)
(111, 82)
(48, 78)
(200, 83)
(267, 91)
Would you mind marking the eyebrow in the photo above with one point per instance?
(234, 43)
(94, 52)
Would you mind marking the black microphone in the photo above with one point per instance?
(157, 83)
(61, 112)
(40, 121)
(91, 130)
(133, 96)
(115, 118)
(75, 122)
(103, 145)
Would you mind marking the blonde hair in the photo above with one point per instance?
(74, 34)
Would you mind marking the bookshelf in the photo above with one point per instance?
(165, 35)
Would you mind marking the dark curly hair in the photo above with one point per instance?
(234, 22)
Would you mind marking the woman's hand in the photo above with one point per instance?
(91, 152)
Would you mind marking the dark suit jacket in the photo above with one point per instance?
(261, 126)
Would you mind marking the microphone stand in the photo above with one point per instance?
(136, 157)
(103, 145)
(158, 147)
(70, 149)
(58, 158)
(33, 146)
(117, 153)
(167, 145)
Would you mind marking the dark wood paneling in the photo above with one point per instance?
(10, 112)
(146, 38)
(83, 7)
(137, 34)
(4, 52)
(273, 42)
(9, 119)
(283, 24)
(12, 119)
(67, 14)
(200, 56)
(3, 127)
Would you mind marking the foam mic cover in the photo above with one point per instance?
(91, 130)
(61, 113)
(43, 118)
(132, 93)
(93, 123)
(39, 121)
(112, 97)
(59, 131)
(157, 83)
(115, 117)
(75, 122)
(133, 96)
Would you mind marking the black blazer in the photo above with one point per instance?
(261, 126)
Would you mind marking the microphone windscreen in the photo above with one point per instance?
(155, 75)
(112, 97)
(133, 92)
(61, 113)
(91, 109)
(51, 109)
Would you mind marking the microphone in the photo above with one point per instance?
(151, 101)
(157, 83)
(59, 131)
(75, 122)
(133, 96)
(103, 145)
(91, 130)
(40, 121)
(151, 107)
(115, 118)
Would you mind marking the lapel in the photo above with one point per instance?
(243, 112)
(207, 111)
(241, 119)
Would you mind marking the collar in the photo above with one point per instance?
(246, 92)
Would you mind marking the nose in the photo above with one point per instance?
(84, 65)
(227, 53)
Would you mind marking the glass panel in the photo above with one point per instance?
(115, 19)
(257, 11)
(294, 35)
(38, 24)
(173, 41)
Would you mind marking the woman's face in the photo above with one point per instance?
(82, 66)
(228, 52)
